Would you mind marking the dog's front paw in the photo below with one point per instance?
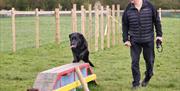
(74, 61)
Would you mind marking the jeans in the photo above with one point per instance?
(148, 54)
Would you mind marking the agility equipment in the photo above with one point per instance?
(65, 78)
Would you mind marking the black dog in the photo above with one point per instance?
(32, 89)
(79, 48)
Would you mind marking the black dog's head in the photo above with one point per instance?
(77, 40)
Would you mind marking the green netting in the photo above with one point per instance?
(26, 27)
(5, 34)
(171, 14)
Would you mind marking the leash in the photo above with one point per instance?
(160, 49)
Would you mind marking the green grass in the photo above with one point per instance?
(19, 70)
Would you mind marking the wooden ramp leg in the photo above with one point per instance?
(83, 82)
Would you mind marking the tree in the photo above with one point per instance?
(2, 4)
(21, 4)
(49, 4)
(67, 4)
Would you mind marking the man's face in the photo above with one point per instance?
(135, 1)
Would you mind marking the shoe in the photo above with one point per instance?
(144, 83)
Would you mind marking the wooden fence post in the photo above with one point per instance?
(83, 20)
(113, 25)
(102, 27)
(118, 25)
(160, 13)
(13, 30)
(72, 20)
(90, 26)
(108, 26)
(57, 17)
(37, 28)
(96, 27)
(75, 18)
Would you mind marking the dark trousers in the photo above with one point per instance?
(148, 54)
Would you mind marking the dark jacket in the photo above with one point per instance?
(139, 25)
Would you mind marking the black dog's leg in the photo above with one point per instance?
(76, 59)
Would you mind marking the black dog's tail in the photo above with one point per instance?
(90, 64)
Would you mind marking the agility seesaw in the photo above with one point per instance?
(65, 78)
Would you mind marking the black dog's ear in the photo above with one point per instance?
(70, 35)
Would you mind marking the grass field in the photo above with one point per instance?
(19, 70)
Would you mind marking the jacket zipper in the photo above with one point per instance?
(139, 23)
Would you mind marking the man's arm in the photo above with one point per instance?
(125, 26)
(157, 22)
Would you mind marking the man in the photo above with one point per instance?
(138, 23)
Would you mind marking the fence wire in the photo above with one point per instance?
(26, 28)
(5, 34)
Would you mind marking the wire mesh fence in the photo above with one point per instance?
(171, 13)
(27, 24)
(5, 34)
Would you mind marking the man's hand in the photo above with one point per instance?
(127, 43)
(159, 38)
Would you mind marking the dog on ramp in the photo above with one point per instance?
(79, 48)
